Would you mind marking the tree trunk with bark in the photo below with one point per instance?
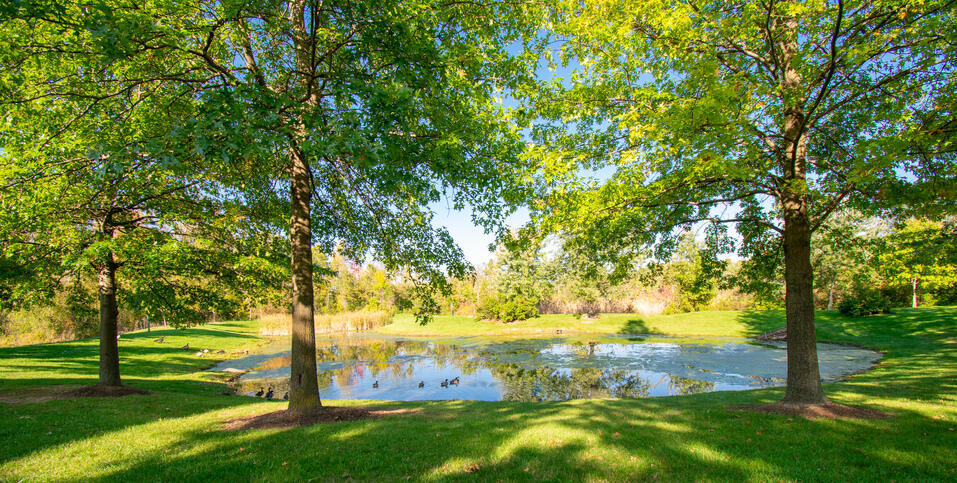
(914, 284)
(109, 350)
(830, 297)
(804, 379)
(303, 383)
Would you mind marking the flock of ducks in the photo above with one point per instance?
(269, 394)
(201, 353)
(445, 383)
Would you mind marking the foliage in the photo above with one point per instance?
(507, 308)
(766, 116)
(865, 302)
(695, 271)
(92, 180)
(922, 253)
(516, 281)
(846, 256)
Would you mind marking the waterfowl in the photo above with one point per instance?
(455, 381)
(221, 351)
(269, 394)
(161, 339)
(260, 393)
(185, 347)
(375, 385)
(444, 383)
(421, 383)
(286, 396)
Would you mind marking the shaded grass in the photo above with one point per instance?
(175, 433)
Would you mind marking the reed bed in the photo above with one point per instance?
(279, 324)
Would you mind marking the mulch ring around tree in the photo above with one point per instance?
(327, 414)
(828, 410)
(104, 391)
(42, 394)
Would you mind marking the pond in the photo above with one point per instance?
(366, 366)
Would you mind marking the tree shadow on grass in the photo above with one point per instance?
(681, 438)
(77, 362)
(919, 347)
(636, 326)
(675, 438)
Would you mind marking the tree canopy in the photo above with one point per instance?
(765, 115)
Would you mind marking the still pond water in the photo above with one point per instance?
(543, 369)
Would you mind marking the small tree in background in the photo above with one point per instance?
(922, 254)
(516, 281)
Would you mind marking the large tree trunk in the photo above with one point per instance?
(303, 383)
(109, 351)
(804, 378)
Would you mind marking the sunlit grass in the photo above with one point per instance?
(717, 323)
(175, 433)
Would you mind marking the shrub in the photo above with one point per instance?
(508, 309)
(865, 303)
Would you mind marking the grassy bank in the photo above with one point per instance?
(720, 323)
(175, 433)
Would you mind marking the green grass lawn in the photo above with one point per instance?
(720, 323)
(175, 432)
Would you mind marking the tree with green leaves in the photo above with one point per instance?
(93, 186)
(695, 272)
(514, 284)
(922, 253)
(363, 113)
(766, 115)
(357, 114)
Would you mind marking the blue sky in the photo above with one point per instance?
(472, 239)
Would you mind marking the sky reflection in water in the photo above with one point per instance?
(493, 369)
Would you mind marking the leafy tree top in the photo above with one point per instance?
(713, 112)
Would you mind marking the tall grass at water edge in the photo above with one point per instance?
(280, 324)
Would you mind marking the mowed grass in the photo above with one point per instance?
(718, 323)
(175, 433)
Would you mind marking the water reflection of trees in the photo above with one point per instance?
(359, 358)
(678, 385)
(521, 383)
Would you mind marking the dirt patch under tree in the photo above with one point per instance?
(328, 414)
(828, 410)
(42, 394)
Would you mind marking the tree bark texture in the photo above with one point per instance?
(303, 384)
(109, 349)
(804, 379)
